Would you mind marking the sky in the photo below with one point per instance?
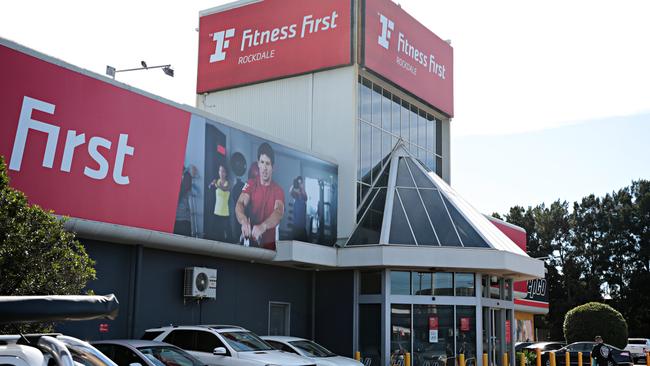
(551, 98)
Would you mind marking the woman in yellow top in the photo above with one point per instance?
(221, 210)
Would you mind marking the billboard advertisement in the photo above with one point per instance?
(270, 39)
(405, 52)
(86, 148)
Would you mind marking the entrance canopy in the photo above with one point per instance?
(408, 204)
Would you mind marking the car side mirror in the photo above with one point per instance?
(219, 351)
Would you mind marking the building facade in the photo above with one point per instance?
(326, 128)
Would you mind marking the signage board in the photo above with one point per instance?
(271, 39)
(433, 329)
(89, 149)
(404, 51)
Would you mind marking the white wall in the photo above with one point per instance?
(312, 112)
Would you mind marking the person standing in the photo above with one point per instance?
(601, 353)
(265, 200)
(299, 219)
(221, 209)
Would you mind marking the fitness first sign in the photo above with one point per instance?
(404, 51)
(270, 39)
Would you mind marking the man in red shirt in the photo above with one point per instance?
(265, 200)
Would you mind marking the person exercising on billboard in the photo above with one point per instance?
(265, 202)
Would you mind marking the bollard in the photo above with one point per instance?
(505, 359)
(538, 361)
(357, 356)
(591, 359)
(567, 358)
(485, 360)
(407, 359)
(647, 359)
(551, 357)
(580, 359)
(461, 359)
(522, 360)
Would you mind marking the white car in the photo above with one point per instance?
(224, 345)
(638, 348)
(43, 350)
(311, 350)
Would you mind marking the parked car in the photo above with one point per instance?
(49, 349)
(53, 348)
(520, 345)
(318, 354)
(132, 352)
(545, 346)
(620, 357)
(224, 345)
(638, 347)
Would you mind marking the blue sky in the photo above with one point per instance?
(496, 172)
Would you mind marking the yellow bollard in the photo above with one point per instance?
(505, 359)
(522, 360)
(357, 356)
(580, 359)
(407, 359)
(647, 359)
(567, 359)
(551, 357)
(485, 360)
(591, 360)
(461, 360)
(538, 361)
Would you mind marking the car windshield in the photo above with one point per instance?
(168, 356)
(312, 349)
(245, 342)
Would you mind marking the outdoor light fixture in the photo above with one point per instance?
(167, 69)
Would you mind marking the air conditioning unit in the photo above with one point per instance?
(200, 283)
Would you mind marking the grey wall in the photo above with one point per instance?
(244, 291)
(334, 311)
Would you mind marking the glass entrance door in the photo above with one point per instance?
(493, 332)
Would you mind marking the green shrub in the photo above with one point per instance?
(584, 322)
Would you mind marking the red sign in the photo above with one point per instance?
(404, 51)
(433, 322)
(272, 39)
(508, 332)
(88, 149)
(103, 328)
(464, 324)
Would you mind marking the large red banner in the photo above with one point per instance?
(272, 39)
(404, 51)
(85, 148)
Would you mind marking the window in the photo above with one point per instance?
(182, 339)
(422, 284)
(466, 331)
(370, 283)
(400, 283)
(433, 334)
(464, 284)
(207, 342)
(400, 333)
(150, 335)
(124, 356)
(370, 333)
(443, 284)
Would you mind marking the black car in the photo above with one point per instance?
(126, 352)
(544, 346)
(620, 357)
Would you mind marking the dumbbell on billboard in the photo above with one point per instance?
(72, 141)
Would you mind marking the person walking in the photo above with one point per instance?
(601, 353)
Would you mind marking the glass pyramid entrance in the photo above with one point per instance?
(408, 204)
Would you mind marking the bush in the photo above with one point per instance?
(584, 322)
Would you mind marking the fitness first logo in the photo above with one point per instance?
(221, 44)
(387, 26)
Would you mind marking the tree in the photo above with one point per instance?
(37, 255)
(585, 322)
